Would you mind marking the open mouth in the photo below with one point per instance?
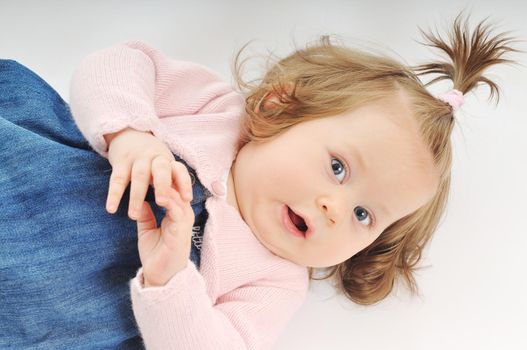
(297, 220)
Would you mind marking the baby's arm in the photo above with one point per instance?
(181, 315)
(134, 85)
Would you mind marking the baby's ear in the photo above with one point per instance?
(272, 101)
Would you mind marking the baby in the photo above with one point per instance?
(338, 159)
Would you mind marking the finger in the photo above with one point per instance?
(118, 182)
(146, 220)
(147, 235)
(139, 187)
(175, 208)
(162, 177)
(182, 180)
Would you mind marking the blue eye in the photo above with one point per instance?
(339, 168)
(361, 212)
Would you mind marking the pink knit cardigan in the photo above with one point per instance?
(243, 295)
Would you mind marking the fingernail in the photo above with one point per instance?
(111, 207)
(161, 199)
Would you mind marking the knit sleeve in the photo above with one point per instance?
(134, 85)
(180, 315)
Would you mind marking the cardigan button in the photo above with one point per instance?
(218, 188)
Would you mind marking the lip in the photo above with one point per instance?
(289, 226)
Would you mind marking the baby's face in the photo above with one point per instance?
(349, 176)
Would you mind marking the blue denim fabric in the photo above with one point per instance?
(65, 263)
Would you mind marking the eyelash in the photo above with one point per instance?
(346, 168)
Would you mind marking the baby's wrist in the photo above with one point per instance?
(147, 284)
(110, 137)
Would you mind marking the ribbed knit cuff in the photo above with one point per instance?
(157, 294)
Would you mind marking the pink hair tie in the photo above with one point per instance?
(454, 98)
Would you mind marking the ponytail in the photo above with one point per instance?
(470, 56)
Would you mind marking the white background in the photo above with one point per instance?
(473, 285)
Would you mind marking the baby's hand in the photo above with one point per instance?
(164, 251)
(145, 160)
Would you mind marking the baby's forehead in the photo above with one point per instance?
(392, 131)
(397, 117)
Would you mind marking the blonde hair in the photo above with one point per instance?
(327, 79)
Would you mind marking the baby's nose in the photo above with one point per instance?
(333, 209)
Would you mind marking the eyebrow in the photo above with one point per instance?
(386, 213)
(357, 155)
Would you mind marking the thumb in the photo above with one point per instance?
(146, 220)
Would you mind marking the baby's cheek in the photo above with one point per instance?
(305, 180)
